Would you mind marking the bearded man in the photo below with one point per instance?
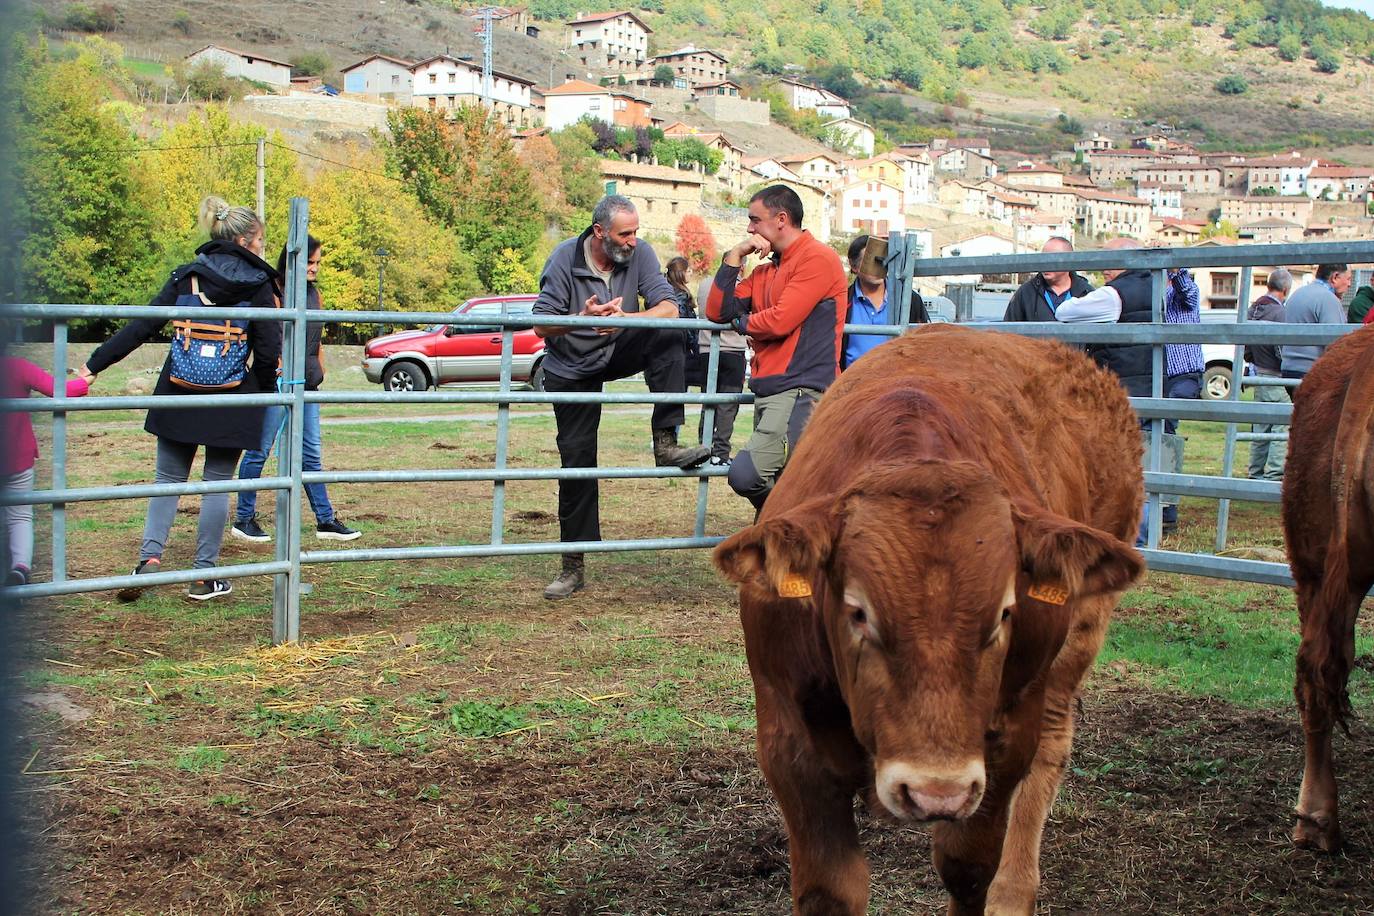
(605, 273)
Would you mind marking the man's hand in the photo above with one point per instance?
(598, 309)
(84, 372)
(752, 244)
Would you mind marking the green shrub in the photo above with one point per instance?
(1232, 84)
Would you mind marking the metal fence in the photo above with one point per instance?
(903, 264)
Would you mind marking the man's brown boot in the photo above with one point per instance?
(668, 454)
(570, 580)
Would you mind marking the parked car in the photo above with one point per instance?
(457, 354)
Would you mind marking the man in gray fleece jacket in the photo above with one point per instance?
(1319, 302)
(605, 272)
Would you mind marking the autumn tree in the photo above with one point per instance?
(696, 243)
(541, 157)
(465, 173)
(211, 153)
(354, 212)
(79, 205)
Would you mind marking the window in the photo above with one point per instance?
(433, 78)
(674, 206)
(452, 78)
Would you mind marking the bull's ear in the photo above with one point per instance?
(782, 555)
(1059, 553)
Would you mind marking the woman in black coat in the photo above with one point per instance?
(228, 271)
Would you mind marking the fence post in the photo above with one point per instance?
(498, 495)
(708, 425)
(899, 277)
(59, 449)
(1154, 502)
(1228, 458)
(286, 590)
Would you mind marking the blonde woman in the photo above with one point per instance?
(228, 270)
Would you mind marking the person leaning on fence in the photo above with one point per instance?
(1267, 457)
(228, 271)
(19, 377)
(605, 273)
(1039, 297)
(868, 304)
(1183, 369)
(327, 524)
(1319, 302)
(729, 379)
(792, 309)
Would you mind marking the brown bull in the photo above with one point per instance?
(1328, 523)
(921, 596)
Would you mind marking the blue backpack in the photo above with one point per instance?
(207, 356)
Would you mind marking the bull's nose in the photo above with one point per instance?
(913, 793)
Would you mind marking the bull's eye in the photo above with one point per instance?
(858, 617)
(1006, 613)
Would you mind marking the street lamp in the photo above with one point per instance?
(382, 255)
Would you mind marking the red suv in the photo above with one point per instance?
(457, 354)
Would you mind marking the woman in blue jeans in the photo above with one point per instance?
(327, 525)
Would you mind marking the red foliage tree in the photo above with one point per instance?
(696, 243)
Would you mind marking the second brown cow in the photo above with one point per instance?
(921, 596)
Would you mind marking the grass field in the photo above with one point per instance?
(443, 740)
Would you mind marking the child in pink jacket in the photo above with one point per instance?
(18, 377)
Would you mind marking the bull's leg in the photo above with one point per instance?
(1018, 875)
(1318, 822)
(829, 872)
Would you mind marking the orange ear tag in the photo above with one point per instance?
(794, 585)
(1050, 594)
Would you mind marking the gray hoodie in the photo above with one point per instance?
(1315, 303)
(566, 284)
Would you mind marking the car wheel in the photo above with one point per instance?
(1216, 383)
(537, 377)
(405, 377)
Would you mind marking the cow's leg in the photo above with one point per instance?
(966, 853)
(1328, 640)
(829, 872)
(1018, 875)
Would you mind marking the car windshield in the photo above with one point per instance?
(510, 307)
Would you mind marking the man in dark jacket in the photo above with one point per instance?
(1267, 458)
(605, 273)
(1038, 297)
(868, 304)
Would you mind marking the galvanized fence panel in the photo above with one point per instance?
(904, 264)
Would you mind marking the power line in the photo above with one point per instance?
(343, 165)
(147, 149)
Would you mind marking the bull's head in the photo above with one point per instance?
(942, 601)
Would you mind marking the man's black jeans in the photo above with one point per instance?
(660, 355)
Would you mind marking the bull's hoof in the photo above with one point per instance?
(1320, 832)
(1003, 901)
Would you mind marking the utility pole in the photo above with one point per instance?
(262, 184)
(485, 13)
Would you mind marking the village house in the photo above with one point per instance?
(1285, 176)
(574, 100)
(728, 88)
(243, 65)
(1094, 144)
(869, 206)
(615, 42)
(1166, 200)
(1171, 233)
(979, 145)
(910, 173)
(1007, 206)
(963, 197)
(1194, 178)
(1271, 231)
(1109, 167)
(511, 18)
(1101, 213)
(803, 96)
(820, 169)
(769, 168)
(444, 83)
(1039, 176)
(693, 66)
(1058, 201)
(1034, 230)
(1327, 182)
(663, 195)
(1242, 210)
(1220, 286)
(852, 133)
(387, 78)
(965, 163)
(979, 244)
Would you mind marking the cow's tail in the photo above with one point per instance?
(1328, 665)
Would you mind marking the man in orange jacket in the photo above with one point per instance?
(792, 309)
